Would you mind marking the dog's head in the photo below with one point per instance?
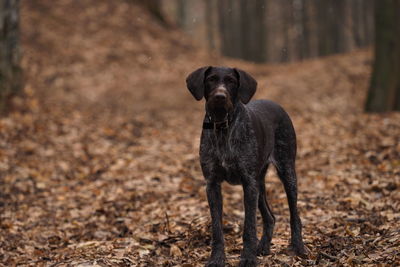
(221, 87)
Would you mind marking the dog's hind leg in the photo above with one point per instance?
(285, 156)
(268, 218)
(288, 177)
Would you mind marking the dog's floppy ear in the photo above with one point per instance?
(247, 86)
(195, 82)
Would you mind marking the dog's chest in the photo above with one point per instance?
(229, 161)
(228, 165)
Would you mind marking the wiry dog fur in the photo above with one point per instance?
(238, 142)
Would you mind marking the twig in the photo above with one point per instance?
(167, 223)
(329, 256)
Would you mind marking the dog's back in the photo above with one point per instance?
(273, 129)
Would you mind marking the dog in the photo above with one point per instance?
(239, 140)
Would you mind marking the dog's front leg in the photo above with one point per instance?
(248, 257)
(214, 196)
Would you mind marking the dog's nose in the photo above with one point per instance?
(220, 97)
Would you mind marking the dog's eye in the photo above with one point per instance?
(212, 79)
(229, 80)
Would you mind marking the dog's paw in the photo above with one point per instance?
(299, 250)
(248, 262)
(216, 262)
(263, 248)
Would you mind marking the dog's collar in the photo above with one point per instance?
(216, 125)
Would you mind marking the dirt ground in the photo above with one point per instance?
(99, 157)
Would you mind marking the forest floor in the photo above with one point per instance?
(99, 158)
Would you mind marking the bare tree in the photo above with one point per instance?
(10, 72)
(384, 91)
(210, 17)
(155, 8)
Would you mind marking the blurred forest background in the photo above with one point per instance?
(99, 135)
(275, 31)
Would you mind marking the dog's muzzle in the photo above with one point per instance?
(220, 98)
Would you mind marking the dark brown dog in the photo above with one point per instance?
(238, 142)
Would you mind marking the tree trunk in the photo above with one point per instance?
(368, 18)
(252, 30)
(325, 32)
(310, 27)
(224, 23)
(346, 36)
(384, 91)
(10, 72)
(210, 22)
(155, 8)
(181, 13)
